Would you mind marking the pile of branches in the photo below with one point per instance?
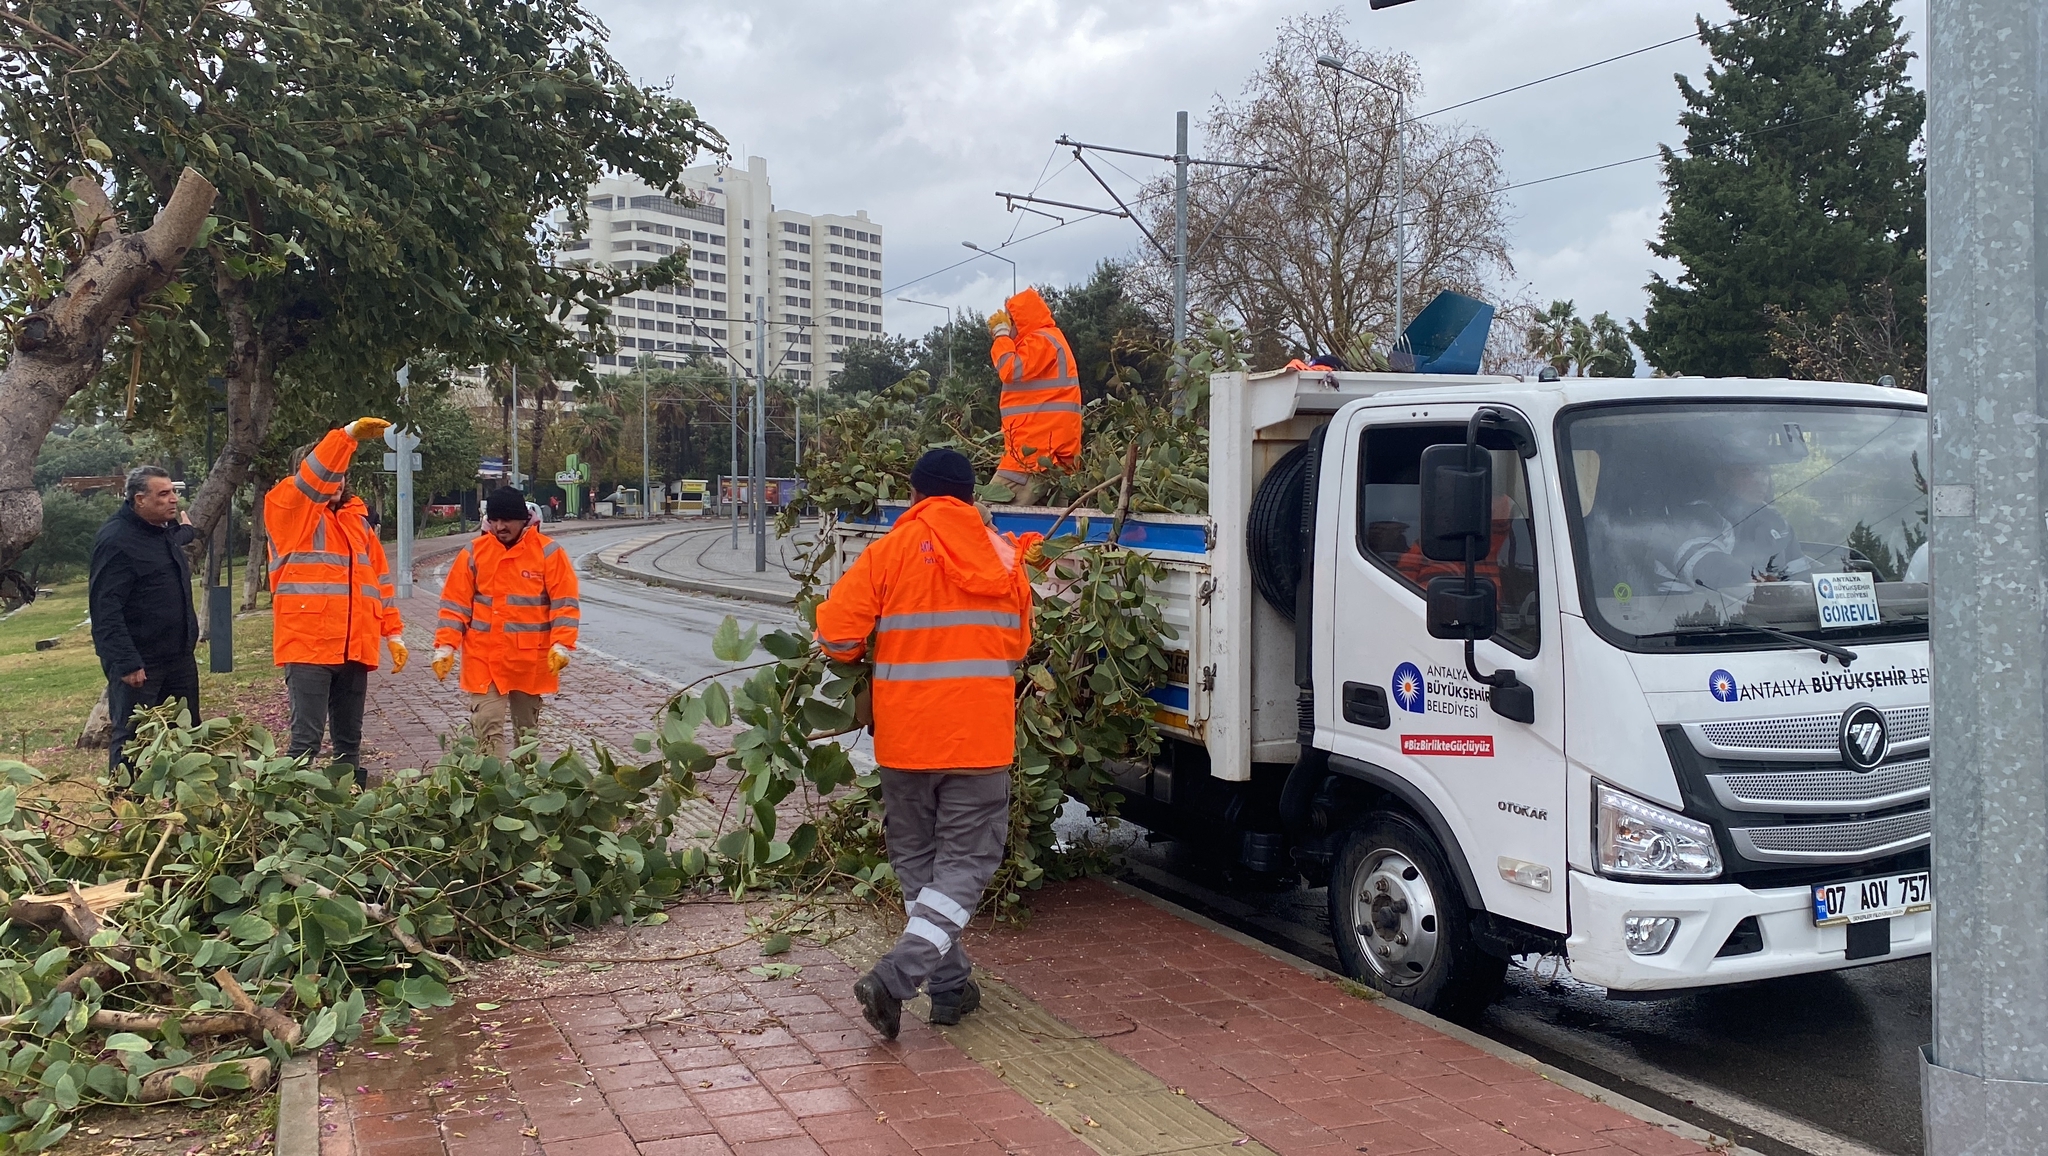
(235, 905)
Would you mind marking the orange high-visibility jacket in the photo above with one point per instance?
(1041, 389)
(505, 607)
(948, 601)
(331, 599)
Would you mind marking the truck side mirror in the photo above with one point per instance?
(1454, 611)
(1457, 504)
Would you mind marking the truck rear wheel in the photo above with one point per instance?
(1401, 925)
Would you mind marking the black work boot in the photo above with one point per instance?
(884, 1012)
(949, 1006)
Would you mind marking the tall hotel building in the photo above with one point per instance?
(816, 279)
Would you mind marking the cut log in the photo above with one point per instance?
(157, 1086)
(232, 1023)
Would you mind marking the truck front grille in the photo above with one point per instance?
(1811, 736)
(1848, 842)
(1826, 790)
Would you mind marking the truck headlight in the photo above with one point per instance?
(1634, 838)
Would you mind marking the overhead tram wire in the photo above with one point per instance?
(1693, 35)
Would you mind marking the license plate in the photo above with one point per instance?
(1882, 897)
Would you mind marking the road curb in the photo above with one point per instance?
(298, 1107)
(611, 562)
(1672, 1124)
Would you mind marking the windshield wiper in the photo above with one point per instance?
(1841, 654)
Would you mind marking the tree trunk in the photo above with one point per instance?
(251, 372)
(59, 346)
(255, 578)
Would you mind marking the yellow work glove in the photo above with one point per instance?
(367, 429)
(444, 661)
(999, 325)
(398, 653)
(558, 657)
(1034, 555)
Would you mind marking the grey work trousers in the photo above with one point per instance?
(946, 834)
(327, 702)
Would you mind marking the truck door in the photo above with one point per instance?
(1404, 702)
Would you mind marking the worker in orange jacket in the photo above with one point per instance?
(331, 598)
(948, 601)
(511, 606)
(1041, 401)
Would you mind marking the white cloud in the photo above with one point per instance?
(918, 111)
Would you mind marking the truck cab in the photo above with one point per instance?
(1712, 598)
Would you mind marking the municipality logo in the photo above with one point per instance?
(1408, 688)
(1722, 686)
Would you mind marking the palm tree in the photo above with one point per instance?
(1551, 335)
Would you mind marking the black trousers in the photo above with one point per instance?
(327, 702)
(171, 678)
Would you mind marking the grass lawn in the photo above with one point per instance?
(45, 695)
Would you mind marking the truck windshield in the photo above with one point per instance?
(1692, 521)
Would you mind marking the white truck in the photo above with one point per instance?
(1669, 722)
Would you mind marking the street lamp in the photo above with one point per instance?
(1400, 182)
(949, 323)
(999, 257)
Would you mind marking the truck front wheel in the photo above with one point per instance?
(1401, 925)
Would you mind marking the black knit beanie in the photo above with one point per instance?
(943, 474)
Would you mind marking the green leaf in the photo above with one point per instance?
(127, 1042)
(775, 944)
(509, 823)
(728, 644)
(717, 704)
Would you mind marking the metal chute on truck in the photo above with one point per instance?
(1713, 595)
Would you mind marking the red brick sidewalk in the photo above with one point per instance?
(739, 1066)
(1295, 1062)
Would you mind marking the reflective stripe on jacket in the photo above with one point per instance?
(948, 601)
(331, 598)
(1041, 403)
(505, 608)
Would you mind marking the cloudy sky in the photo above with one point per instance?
(918, 110)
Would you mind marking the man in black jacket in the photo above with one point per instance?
(143, 624)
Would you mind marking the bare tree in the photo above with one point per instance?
(1305, 255)
(59, 345)
(1872, 338)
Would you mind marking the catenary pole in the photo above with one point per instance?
(757, 485)
(1180, 228)
(514, 479)
(732, 476)
(1984, 1077)
(646, 459)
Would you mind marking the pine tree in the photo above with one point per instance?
(1798, 187)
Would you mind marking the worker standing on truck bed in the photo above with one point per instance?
(948, 601)
(1041, 399)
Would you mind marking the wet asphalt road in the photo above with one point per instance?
(1787, 1066)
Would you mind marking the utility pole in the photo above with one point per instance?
(732, 476)
(403, 442)
(1180, 228)
(758, 485)
(646, 473)
(1177, 257)
(514, 479)
(1984, 1078)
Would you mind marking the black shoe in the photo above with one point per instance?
(949, 1006)
(884, 1012)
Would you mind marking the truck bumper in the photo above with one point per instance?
(1706, 915)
